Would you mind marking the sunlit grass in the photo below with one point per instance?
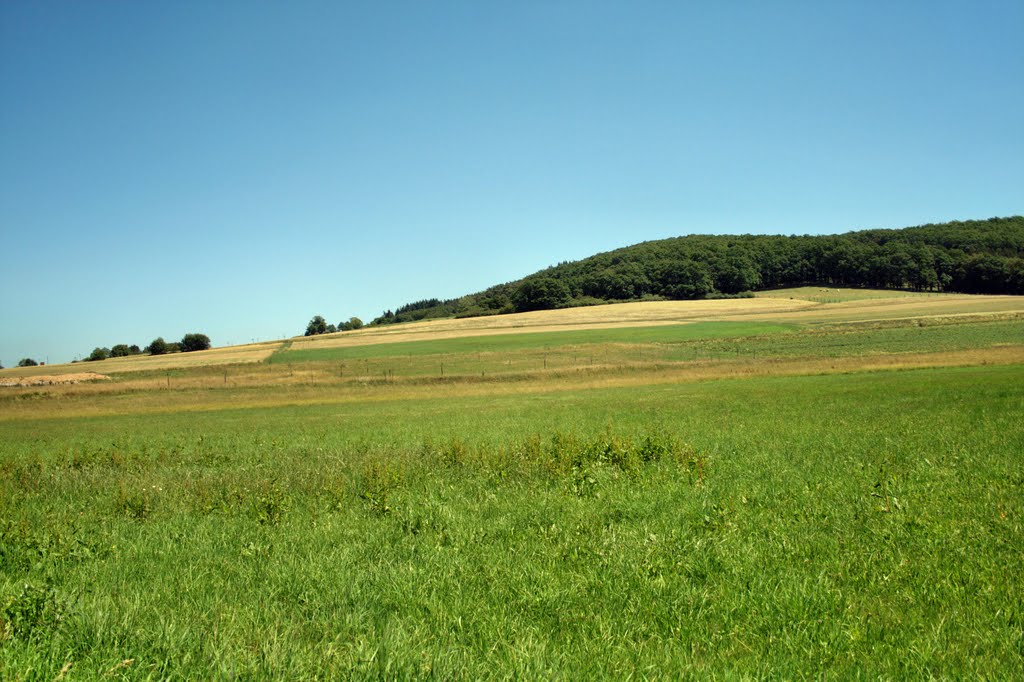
(508, 343)
(656, 502)
(840, 525)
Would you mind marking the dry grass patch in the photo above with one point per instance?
(228, 355)
(52, 379)
(803, 305)
(864, 310)
(860, 306)
(314, 385)
(617, 315)
(838, 295)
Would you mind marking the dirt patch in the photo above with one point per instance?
(53, 379)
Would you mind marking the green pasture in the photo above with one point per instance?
(510, 343)
(841, 526)
(846, 340)
(511, 354)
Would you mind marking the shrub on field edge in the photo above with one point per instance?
(192, 342)
(317, 325)
(157, 347)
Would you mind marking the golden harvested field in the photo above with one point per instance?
(802, 306)
(228, 355)
(787, 305)
(319, 386)
(615, 315)
(880, 309)
(837, 295)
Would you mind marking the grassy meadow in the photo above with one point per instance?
(713, 500)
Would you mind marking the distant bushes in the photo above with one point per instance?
(189, 342)
(193, 342)
(122, 350)
(158, 346)
(318, 325)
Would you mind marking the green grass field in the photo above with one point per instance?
(842, 524)
(511, 343)
(510, 354)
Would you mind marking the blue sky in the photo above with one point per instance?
(234, 168)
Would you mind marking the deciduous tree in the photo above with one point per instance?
(318, 325)
(157, 347)
(542, 293)
(193, 342)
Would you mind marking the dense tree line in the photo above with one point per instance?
(411, 312)
(978, 257)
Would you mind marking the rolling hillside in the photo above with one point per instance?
(791, 331)
(980, 256)
(814, 482)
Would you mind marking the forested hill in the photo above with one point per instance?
(977, 256)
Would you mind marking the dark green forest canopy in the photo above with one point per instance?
(975, 256)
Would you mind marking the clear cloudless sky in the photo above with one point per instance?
(234, 168)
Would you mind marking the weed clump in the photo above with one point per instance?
(137, 505)
(564, 456)
(41, 548)
(376, 483)
(32, 614)
(270, 504)
(564, 453)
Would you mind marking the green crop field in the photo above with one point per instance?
(664, 345)
(508, 343)
(712, 500)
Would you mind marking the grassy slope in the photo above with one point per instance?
(508, 343)
(523, 370)
(858, 307)
(801, 306)
(856, 524)
(683, 342)
(575, 522)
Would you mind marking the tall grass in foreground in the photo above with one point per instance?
(844, 525)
